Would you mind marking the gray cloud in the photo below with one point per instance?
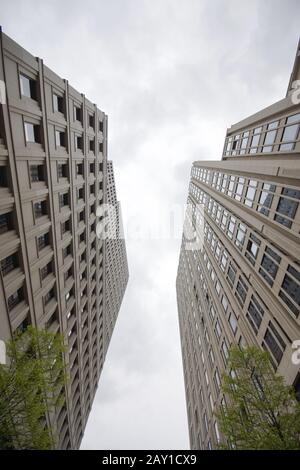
(172, 76)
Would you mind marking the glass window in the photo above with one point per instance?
(286, 147)
(9, 263)
(77, 113)
(290, 192)
(37, 173)
(62, 170)
(250, 194)
(231, 274)
(244, 142)
(224, 260)
(31, 132)
(274, 343)
(58, 103)
(292, 289)
(43, 241)
(224, 350)
(231, 227)
(211, 402)
(288, 208)
(254, 143)
(241, 291)
(272, 125)
(233, 322)
(46, 270)
(290, 133)
(225, 303)
(60, 138)
(252, 248)
(224, 183)
(240, 236)
(217, 431)
(293, 118)
(255, 314)
(217, 381)
(239, 188)
(206, 378)
(224, 219)
(202, 358)
(269, 140)
(40, 208)
(269, 270)
(212, 312)
(15, 299)
(218, 330)
(211, 357)
(28, 87)
(230, 185)
(266, 198)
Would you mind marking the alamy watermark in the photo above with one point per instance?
(169, 223)
(295, 96)
(296, 353)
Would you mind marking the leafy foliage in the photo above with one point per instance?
(262, 411)
(30, 385)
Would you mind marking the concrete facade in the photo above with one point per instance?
(53, 177)
(243, 285)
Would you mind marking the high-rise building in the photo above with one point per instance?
(116, 266)
(239, 282)
(55, 270)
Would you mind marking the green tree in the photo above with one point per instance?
(30, 385)
(262, 411)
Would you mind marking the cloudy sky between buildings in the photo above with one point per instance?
(172, 76)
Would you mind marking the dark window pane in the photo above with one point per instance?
(290, 192)
(3, 177)
(274, 347)
(269, 266)
(286, 207)
(291, 288)
(6, 222)
(9, 264)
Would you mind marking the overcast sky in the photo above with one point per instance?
(172, 75)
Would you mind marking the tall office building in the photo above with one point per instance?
(241, 284)
(54, 267)
(116, 267)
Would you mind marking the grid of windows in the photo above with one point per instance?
(241, 283)
(40, 183)
(257, 251)
(277, 202)
(275, 136)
